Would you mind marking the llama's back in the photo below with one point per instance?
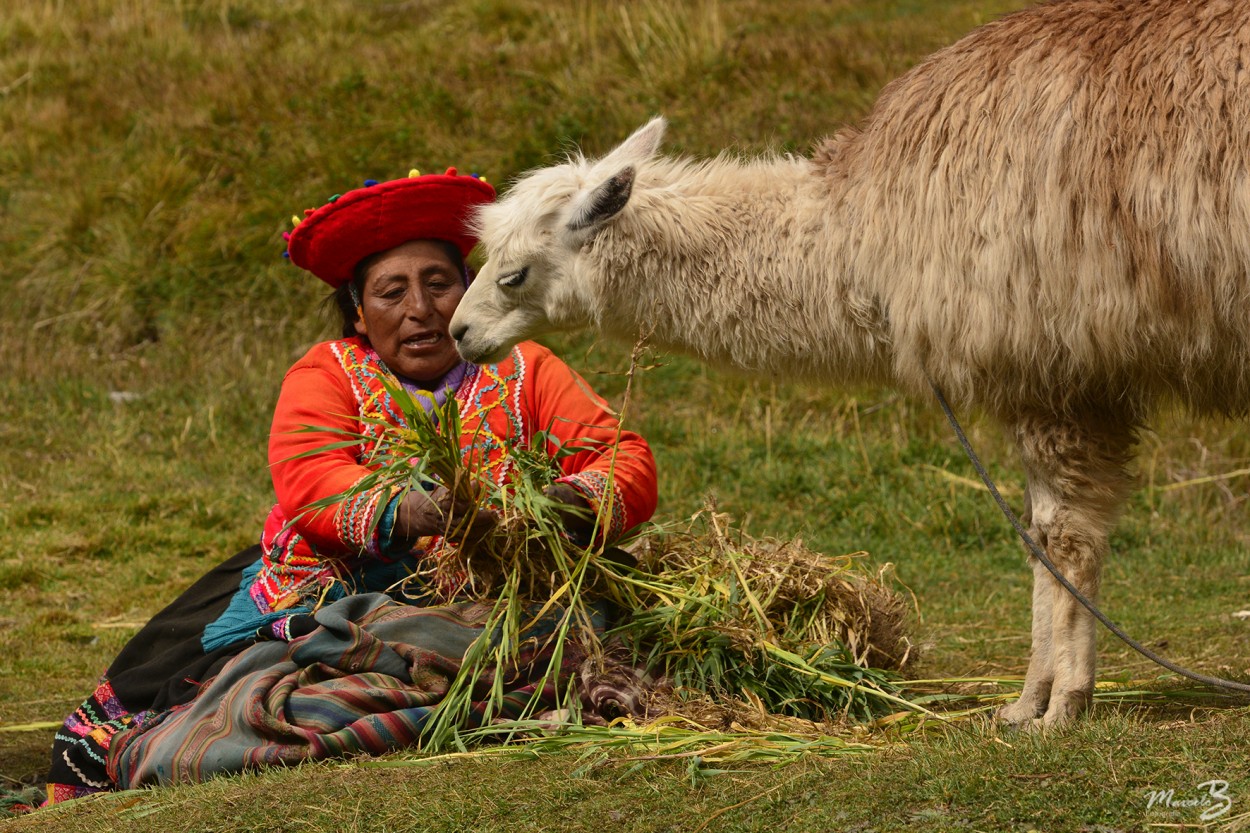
(1058, 206)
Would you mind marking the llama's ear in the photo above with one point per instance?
(643, 144)
(601, 204)
(596, 207)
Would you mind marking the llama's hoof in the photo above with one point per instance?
(1021, 714)
(1066, 708)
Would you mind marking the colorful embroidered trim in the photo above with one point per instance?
(89, 731)
(594, 486)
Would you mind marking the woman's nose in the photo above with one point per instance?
(417, 304)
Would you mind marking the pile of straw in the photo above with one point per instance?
(766, 626)
(829, 599)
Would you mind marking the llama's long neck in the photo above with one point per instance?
(743, 265)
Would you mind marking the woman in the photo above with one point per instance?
(394, 253)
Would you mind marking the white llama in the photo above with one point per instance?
(1050, 219)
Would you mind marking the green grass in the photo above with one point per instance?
(1096, 780)
(151, 153)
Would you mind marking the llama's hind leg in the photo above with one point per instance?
(1077, 483)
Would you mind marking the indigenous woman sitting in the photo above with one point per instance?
(394, 253)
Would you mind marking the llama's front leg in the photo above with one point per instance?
(1077, 482)
(1038, 680)
(1074, 631)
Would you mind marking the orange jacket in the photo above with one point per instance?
(339, 382)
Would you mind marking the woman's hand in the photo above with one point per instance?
(420, 514)
(578, 520)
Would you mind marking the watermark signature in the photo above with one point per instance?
(1211, 797)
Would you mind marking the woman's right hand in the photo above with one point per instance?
(420, 514)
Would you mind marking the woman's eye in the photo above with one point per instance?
(515, 278)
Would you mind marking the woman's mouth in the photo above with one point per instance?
(421, 341)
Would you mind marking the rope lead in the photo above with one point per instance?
(1040, 555)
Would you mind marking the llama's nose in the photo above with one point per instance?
(458, 331)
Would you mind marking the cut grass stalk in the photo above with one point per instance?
(626, 742)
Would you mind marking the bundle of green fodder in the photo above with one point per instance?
(526, 554)
(716, 615)
(770, 623)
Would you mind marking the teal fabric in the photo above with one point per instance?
(242, 620)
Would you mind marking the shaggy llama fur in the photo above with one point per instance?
(1050, 219)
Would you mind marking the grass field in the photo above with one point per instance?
(151, 154)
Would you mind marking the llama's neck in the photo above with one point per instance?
(745, 265)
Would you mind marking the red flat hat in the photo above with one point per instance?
(331, 240)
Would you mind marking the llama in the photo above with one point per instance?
(1049, 219)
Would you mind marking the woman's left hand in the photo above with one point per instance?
(578, 520)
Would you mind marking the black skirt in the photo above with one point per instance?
(162, 666)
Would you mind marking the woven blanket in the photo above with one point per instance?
(365, 682)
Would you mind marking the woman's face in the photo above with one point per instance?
(408, 298)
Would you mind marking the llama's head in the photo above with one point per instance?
(535, 238)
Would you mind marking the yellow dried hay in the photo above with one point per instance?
(828, 599)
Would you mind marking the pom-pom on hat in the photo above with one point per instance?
(332, 239)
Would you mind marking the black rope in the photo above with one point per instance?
(1040, 555)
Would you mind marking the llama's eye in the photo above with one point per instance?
(514, 278)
